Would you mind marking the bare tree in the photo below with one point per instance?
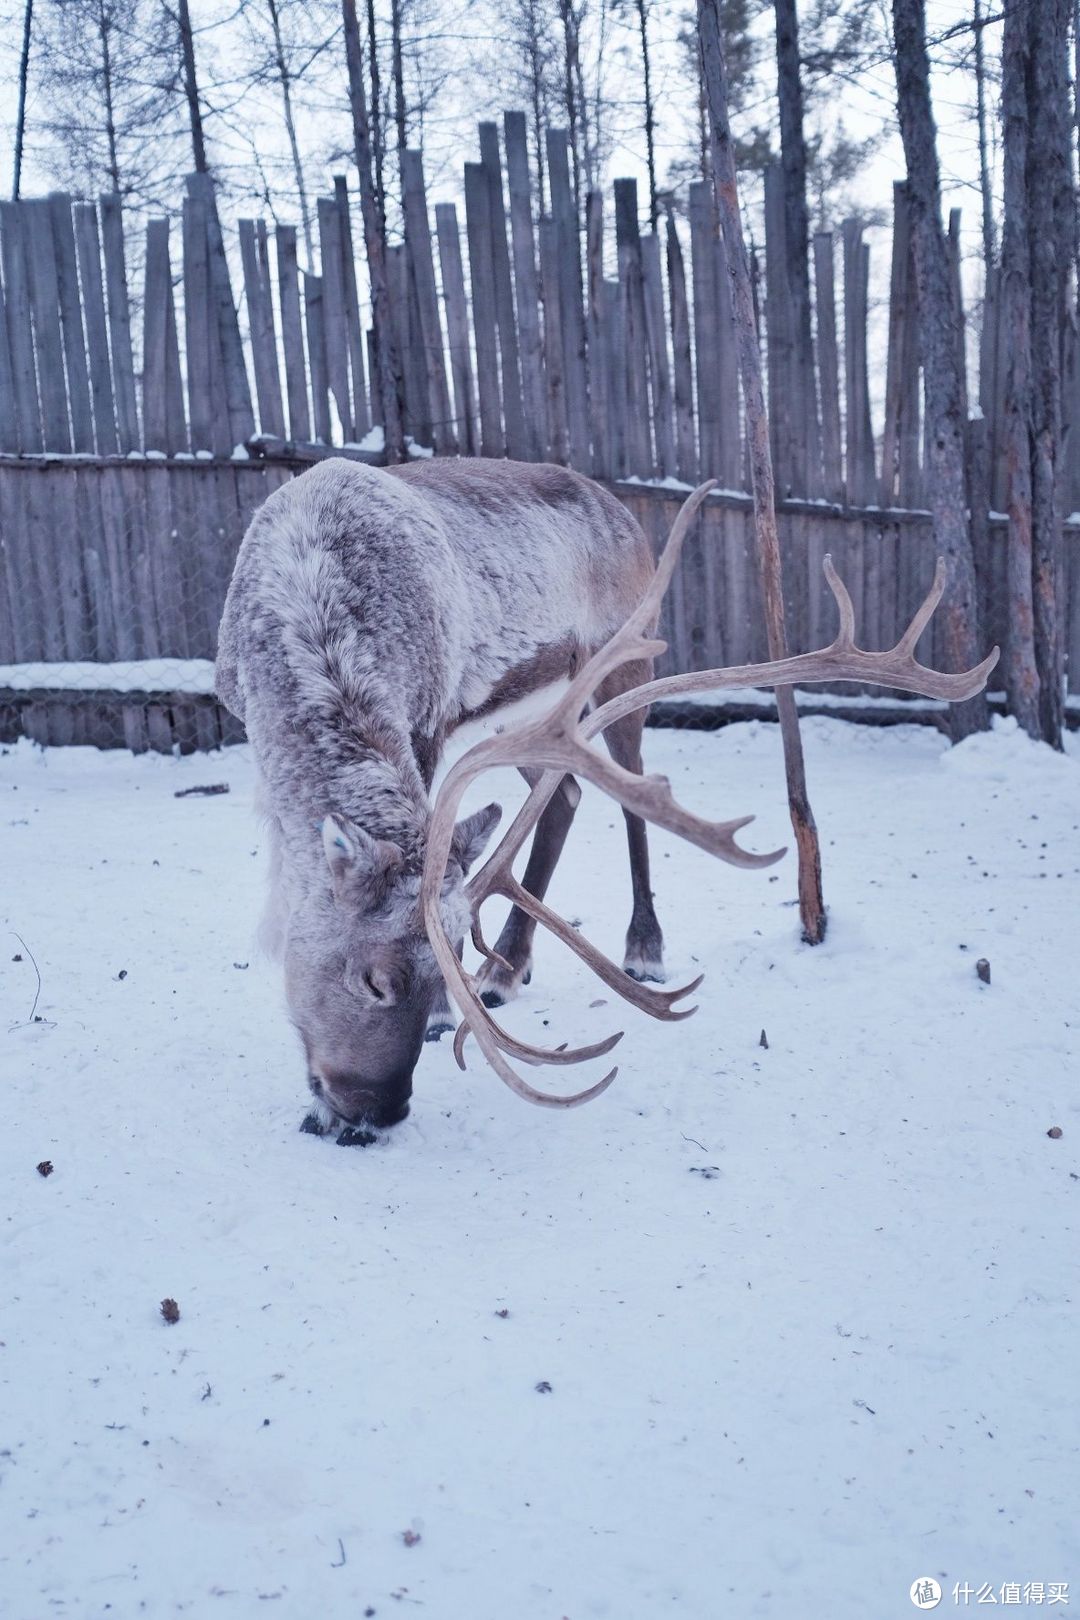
(1051, 216)
(643, 9)
(108, 117)
(182, 16)
(797, 236)
(24, 75)
(985, 187)
(387, 364)
(1021, 673)
(946, 425)
(725, 189)
(287, 39)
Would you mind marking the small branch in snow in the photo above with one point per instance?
(33, 1018)
(203, 790)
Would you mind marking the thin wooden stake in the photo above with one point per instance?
(811, 902)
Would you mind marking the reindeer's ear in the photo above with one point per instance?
(472, 834)
(359, 864)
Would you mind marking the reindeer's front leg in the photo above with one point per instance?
(515, 942)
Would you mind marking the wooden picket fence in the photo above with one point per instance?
(142, 418)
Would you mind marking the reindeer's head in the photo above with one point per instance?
(360, 974)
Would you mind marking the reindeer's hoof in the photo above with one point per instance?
(312, 1125)
(498, 986)
(356, 1136)
(646, 970)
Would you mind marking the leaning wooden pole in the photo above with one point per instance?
(715, 79)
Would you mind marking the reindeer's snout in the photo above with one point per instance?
(361, 1102)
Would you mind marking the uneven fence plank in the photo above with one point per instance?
(360, 412)
(9, 432)
(88, 246)
(20, 334)
(234, 372)
(600, 379)
(571, 300)
(263, 337)
(513, 412)
(157, 286)
(207, 411)
(71, 323)
(659, 370)
(860, 444)
(316, 343)
(116, 292)
(828, 365)
(780, 338)
(403, 300)
(422, 269)
(526, 284)
(292, 332)
(482, 276)
(634, 364)
(457, 326)
(45, 307)
(686, 445)
(334, 317)
(557, 430)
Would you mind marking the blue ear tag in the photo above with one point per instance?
(339, 843)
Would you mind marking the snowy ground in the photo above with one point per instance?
(806, 1312)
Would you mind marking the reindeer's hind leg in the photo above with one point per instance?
(644, 957)
(515, 942)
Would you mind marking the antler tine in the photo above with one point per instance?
(630, 641)
(910, 637)
(845, 636)
(657, 1003)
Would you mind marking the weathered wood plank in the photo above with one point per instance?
(360, 411)
(422, 270)
(828, 366)
(45, 307)
(292, 333)
(482, 276)
(639, 456)
(557, 430)
(571, 301)
(686, 443)
(207, 408)
(517, 444)
(457, 326)
(262, 335)
(659, 370)
(88, 245)
(71, 323)
(526, 284)
(334, 318)
(599, 343)
(780, 339)
(316, 343)
(237, 389)
(119, 311)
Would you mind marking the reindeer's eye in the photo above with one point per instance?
(374, 989)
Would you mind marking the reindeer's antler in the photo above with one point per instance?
(558, 743)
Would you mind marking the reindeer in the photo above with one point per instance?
(371, 614)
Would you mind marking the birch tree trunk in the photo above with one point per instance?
(387, 364)
(714, 75)
(945, 435)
